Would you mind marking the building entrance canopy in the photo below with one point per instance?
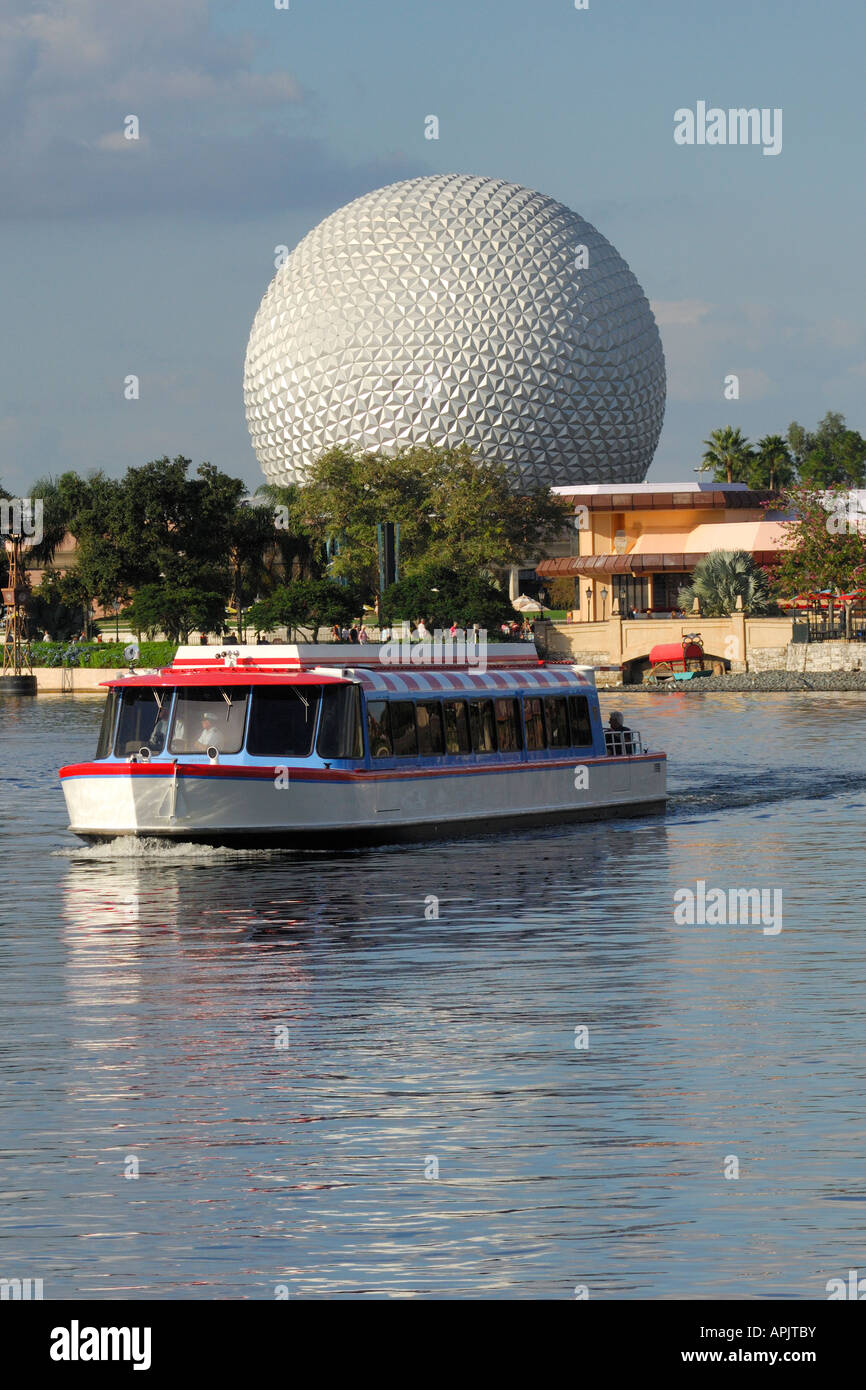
(676, 550)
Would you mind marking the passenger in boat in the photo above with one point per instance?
(210, 736)
(160, 730)
(622, 736)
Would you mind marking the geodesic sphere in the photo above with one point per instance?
(455, 309)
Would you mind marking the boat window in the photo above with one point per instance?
(533, 713)
(457, 727)
(340, 725)
(106, 732)
(379, 728)
(431, 731)
(209, 717)
(508, 732)
(403, 735)
(556, 714)
(282, 721)
(483, 726)
(581, 725)
(144, 717)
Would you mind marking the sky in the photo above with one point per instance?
(149, 257)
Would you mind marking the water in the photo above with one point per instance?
(143, 990)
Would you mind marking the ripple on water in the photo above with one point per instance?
(289, 1044)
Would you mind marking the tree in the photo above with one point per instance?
(305, 604)
(4, 563)
(90, 507)
(251, 535)
(833, 454)
(727, 455)
(444, 596)
(720, 579)
(55, 606)
(176, 611)
(823, 549)
(295, 553)
(453, 510)
(772, 466)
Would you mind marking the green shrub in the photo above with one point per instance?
(100, 655)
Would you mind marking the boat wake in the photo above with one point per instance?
(127, 847)
(710, 795)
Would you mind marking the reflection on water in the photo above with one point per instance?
(283, 1042)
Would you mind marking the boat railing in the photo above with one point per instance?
(622, 743)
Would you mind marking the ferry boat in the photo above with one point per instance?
(323, 746)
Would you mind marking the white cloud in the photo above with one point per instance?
(219, 132)
(679, 312)
(116, 140)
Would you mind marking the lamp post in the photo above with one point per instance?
(603, 603)
(589, 603)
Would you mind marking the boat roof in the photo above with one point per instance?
(384, 680)
(435, 682)
(509, 666)
(399, 652)
(220, 675)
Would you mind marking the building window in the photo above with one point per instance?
(666, 588)
(630, 591)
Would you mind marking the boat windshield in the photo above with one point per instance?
(283, 721)
(209, 717)
(106, 731)
(143, 723)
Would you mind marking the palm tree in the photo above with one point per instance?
(720, 579)
(772, 465)
(727, 454)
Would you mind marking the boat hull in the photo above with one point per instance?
(328, 808)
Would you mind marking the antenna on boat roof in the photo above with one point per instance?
(131, 654)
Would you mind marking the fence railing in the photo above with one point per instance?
(622, 743)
